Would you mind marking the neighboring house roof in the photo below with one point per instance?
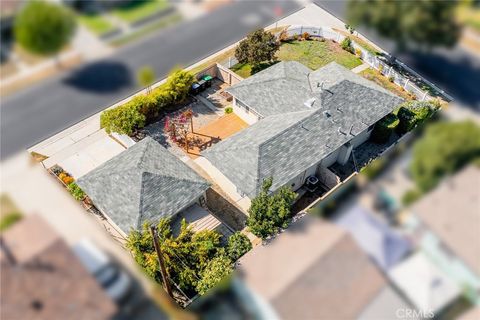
(425, 285)
(314, 270)
(385, 246)
(143, 183)
(452, 212)
(293, 137)
(42, 279)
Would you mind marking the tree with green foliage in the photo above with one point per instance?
(146, 77)
(259, 46)
(444, 149)
(426, 24)
(124, 119)
(238, 245)
(186, 255)
(217, 269)
(44, 28)
(178, 84)
(269, 212)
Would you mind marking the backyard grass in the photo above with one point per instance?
(381, 80)
(313, 54)
(96, 23)
(137, 10)
(316, 54)
(155, 26)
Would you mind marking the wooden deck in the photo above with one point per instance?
(214, 132)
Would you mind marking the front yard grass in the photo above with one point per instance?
(96, 23)
(137, 10)
(381, 80)
(313, 54)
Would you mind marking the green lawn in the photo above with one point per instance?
(314, 54)
(139, 9)
(96, 23)
(155, 26)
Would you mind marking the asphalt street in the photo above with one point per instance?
(40, 111)
(454, 70)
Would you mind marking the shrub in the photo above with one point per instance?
(76, 191)
(411, 196)
(413, 113)
(269, 212)
(178, 85)
(238, 245)
(306, 36)
(358, 53)
(146, 105)
(391, 78)
(216, 270)
(66, 178)
(346, 45)
(228, 110)
(384, 128)
(124, 119)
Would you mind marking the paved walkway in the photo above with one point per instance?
(361, 67)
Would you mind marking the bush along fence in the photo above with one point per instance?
(400, 74)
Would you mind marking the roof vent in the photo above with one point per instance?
(309, 103)
(326, 114)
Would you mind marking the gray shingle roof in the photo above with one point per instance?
(294, 137)
(143, 183)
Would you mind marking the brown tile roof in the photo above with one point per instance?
(313, 270)
(42, 279)
(452, 212)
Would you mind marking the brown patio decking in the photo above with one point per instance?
(221, 128)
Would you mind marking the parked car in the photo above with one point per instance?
(116, 282)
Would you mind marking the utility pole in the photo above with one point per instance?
(153, 230)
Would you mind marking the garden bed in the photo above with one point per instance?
(381, 80)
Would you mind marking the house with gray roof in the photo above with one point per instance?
(302, 122)
(143, 183)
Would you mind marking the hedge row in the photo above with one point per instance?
(408, 116)
(413, 113)
(134, 114)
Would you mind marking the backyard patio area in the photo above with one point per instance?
(199, 125)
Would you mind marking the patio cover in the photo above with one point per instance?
(426, 286)
(385, 246)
